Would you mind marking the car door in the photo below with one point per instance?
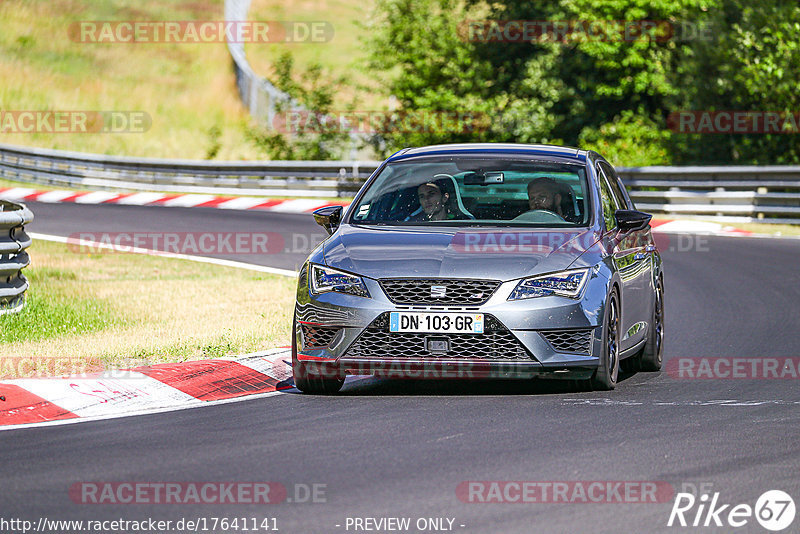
(631, 258)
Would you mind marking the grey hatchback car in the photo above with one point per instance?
(482, 261)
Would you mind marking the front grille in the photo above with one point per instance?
(318, 336)
(578, 341)
(417, 291)
(496, 343)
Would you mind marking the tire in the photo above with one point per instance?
(653, 352)
(308, 381)
(605, 377)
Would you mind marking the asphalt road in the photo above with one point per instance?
(400, 448)
(289, 237)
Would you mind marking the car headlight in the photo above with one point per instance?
(564, 284)
(324, 279)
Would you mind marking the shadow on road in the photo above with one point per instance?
(382, 387)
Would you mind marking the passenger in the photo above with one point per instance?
(543, 194)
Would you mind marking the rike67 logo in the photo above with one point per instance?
(774, 510)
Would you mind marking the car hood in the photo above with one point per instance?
(499, 254)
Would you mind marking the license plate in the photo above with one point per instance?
(453, 323)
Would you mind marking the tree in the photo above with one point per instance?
(751, 63)
(306, 131)
(418, 53)
(612, 88)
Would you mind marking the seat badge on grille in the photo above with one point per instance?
(438, 292)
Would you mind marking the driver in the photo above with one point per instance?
(543, 195)
(435, 201)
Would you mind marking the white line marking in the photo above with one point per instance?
(137, 250)
(710, 402)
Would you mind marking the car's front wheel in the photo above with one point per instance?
(605, 377)
(308, 378)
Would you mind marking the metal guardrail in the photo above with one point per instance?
(769, 194)
(736, 193)
(276, 178)
(13, 256)
(259, 96)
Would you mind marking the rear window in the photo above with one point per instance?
(476, 192)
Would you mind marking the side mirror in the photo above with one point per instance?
(329, 218)
(632, 220)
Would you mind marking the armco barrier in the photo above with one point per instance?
(259, 96)
(734, 193)
(13, 256)
(769, 194)
(277, 178)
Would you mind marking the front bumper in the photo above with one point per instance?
(528, 336)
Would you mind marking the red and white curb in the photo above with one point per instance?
(695, 227)
(141, 390)
(21, 194)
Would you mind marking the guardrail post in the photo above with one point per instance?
(13, 255)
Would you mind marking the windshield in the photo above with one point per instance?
(461, 191)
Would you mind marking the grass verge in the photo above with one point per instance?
(766, 229)
(188, 90)
(344, 55)
(117, 310)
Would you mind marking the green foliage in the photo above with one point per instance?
(317, 137)
(631, 139)
(752, 63)
(425, 64)
(214, 134)
(612, 94)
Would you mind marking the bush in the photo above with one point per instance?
(632, 140)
